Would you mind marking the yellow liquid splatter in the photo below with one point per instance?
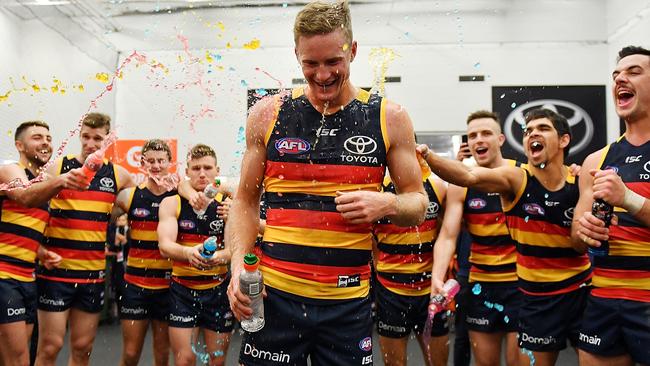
(252, 45)
(3, 98)
(345, 47)
(228, 45)
(102, 76)
(380, 58)
(208, 57)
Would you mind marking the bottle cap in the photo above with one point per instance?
(250, 262)
(217, 181)
(210, 243)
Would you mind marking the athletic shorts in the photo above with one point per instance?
(398, 314)
(338, 333)
(546, 322)
(17, 301)
(208, 309)
(138, 303)
(613, 327)
(493, 307)
(60, 296)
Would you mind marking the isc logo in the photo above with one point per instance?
(292, 145)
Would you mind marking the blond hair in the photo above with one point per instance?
(320, 17)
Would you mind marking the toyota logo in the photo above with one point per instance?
(568, 213)
(360, 145)
(107, 182)
(646, 167)
(574, 114)
(432, 210)
(216, 225)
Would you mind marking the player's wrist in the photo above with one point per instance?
(633, 202)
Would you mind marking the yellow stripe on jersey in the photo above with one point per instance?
(312, 289)
(407, 238)
(628, 282)
(83, 264)
(492, 260)
(487, 230)
(81, 205)
(186, 270)
(13, 276)
(17, 252)
(316, 188)
(149, 263)
(23, 220)
(317, 238)
(76, 234)
(382, 123)
(408, 268)
(549, 275)
(493, 276)
(629, 248)
(520, 192)
(541, 239)
(143, 235)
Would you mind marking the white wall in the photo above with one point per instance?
(33, 51)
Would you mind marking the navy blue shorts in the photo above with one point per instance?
(493, 307)
(208, 309)
(613, 327)
(17, 301)
(546, 322)
(398, 314)
(61, 296)
(139, 303)
(338, 333)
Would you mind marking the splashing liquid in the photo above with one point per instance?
(380, 58)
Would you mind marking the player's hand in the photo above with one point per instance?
(464, 152)
(574, 169)
(437, 287)
(194, 257)
(224, 208)
(591, 230)
(239, 303)
(199, 201)
(74, 179)
(50, 259)
(364, 207)
(608, 186)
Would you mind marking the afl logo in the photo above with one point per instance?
(140, 212)
(366, 344)
(216, 225)
(534, 209)
(187, 224)
(568, 213)
(360, 145)
(477, 203)
(292, 145)
(574, 114)
(615, 169)
(106, 182)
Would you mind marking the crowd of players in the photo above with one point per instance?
(320, 155)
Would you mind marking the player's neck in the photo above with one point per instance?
(347, 94)
(638, 132)
(154, 187)
(552, 176)
(33, 168)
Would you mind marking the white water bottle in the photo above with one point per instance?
(251, 284)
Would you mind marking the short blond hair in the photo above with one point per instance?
(321, 17)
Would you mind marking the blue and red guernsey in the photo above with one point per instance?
(625, 272)
(145, 266)
(78, 223)
(493, 253)
(540, 222)
(309, 251)
(21, 233)
(406, 253)
(194, 230)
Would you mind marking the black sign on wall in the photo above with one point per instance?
(583, 106)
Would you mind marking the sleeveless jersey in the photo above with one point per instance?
(493, 253)
(145, 266)
(625, 272)
(309, 251)
(406, 253)
(194, 230)
(78, 224)
(21, 233)
(540, 222)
